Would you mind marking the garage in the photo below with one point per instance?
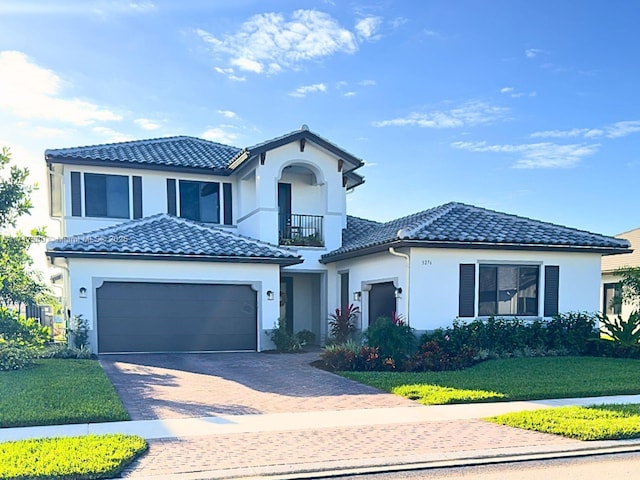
(175, 317)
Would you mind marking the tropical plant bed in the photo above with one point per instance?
(598, 422)
(57, 391)
(86, 457)
(512, 379)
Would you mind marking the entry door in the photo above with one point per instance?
(284, 210)
(382, 301)
(286, 302)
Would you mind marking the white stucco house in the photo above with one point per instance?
(610, 286)
(182, 244)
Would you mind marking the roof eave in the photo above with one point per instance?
(397, 243)
(285, 262)
(136, 165)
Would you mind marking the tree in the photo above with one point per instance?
(19, 283)
(630, 283)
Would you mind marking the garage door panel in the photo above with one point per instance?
(145, 316)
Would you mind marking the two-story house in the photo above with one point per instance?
(182, 244)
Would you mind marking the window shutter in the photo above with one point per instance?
(137, 197)
(171, 196)
(76, 195)
(228, 205)
(467, 294)
(551, 286)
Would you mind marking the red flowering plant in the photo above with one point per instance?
(342, 323)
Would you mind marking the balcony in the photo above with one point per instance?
(301, 230)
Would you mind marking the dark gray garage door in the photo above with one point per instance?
(175, 317)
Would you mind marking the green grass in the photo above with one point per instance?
(56, 391)
(75, 458)
(513, 379)
(600, 422)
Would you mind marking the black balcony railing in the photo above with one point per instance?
(301, 230)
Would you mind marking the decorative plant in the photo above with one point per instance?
(625, 332)
(79, 332)
(342, 323)
(283, 340)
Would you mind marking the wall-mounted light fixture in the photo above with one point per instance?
(83, 292)
(357, 296)
(269, 294)
(398, 292)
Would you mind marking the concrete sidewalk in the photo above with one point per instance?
(324, 443)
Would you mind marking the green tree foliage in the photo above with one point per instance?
(630, 283)
(19, 283)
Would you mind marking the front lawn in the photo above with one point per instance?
(56, 391)
(513, 379)
(92, 456)
(599, 422)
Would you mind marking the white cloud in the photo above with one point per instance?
(229, 72)
(398, 22)
(613, 130)
(366, 28)
(367, 83)
(112, 135)
(349, 94)
(536, 155)
(532, 52)
(228, 114)
(269, 43)
(147, 124)
(48, 132)
(33, 92)
(219, 134)
(304, 90)
(467, 115)
(514, 94)
(622, 129)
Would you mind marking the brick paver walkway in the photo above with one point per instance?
(197, 385)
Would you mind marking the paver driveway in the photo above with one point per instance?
(157, 386)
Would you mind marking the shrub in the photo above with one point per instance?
(395, 341)
(342, 323)
(571, 331)
(79, 332)
(306, 337)
(283, 340)
(433, 357)
(340, 357)
(624, 332)
(14, 356)
(23, 331)
(65, 351)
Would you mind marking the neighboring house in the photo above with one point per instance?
(182, 244)
(610, 288)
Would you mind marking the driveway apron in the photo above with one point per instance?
(160, 386)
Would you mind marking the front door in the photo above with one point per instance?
(382, 301)
(286, 303)
(284, 210)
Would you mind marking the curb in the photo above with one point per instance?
(402, 464)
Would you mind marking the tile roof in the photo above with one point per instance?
(459, 225)
(182, 152)
(165, 236)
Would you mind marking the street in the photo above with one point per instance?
(618, 466)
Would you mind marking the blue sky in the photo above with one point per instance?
(524, 107)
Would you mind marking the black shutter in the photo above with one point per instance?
(137, 197)
(467, 293)
(551, 286)
(76, 195)
(171, 196)
(228, 205)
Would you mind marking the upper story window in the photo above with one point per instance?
(508, 290)
(200, 201)
(105, 196)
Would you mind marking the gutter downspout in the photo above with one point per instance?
(393, 251)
